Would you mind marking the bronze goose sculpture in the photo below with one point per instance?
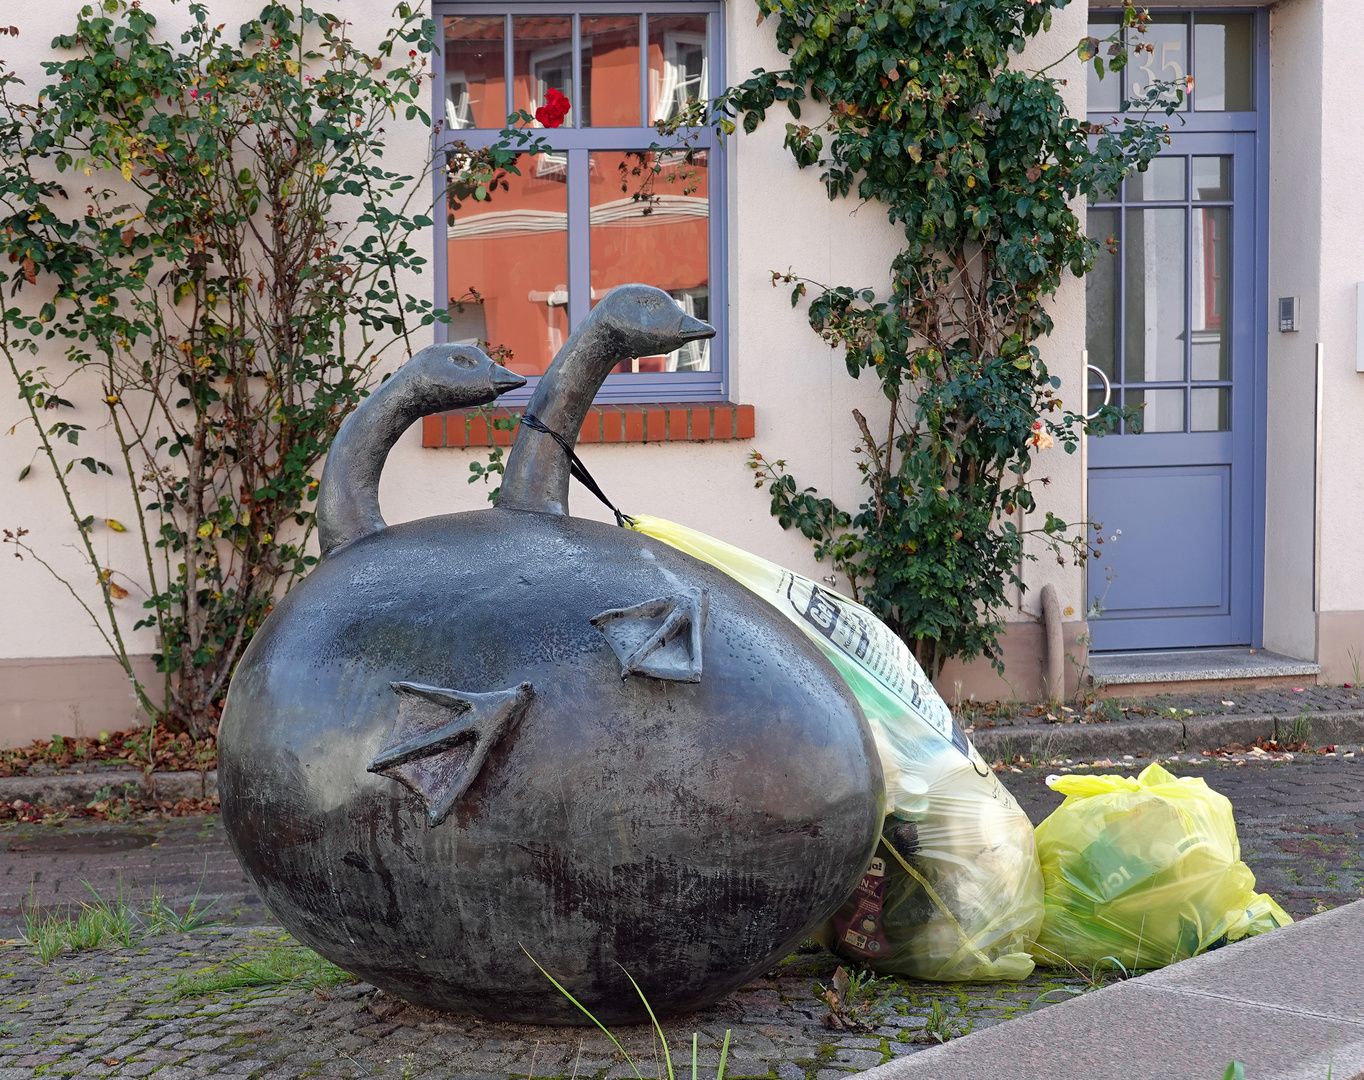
(470, 740)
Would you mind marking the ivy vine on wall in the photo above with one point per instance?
(923, 107)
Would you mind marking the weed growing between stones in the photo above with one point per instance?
(108, 922)
(284, 964)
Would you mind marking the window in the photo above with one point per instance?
(523, 268)
(1222, 63)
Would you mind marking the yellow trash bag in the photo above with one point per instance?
(1144, 870)
(954, 893)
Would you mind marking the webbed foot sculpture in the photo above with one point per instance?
(423, 751)
(660, 638)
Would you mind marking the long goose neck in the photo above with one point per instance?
(348, 497)
(537, 471)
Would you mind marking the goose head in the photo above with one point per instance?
(436, 379)
(639, 320)
(442, 377)
(629, 321)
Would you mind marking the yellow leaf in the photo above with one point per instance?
(206, 529)
(291, 66)
(117, 526)
(118, 592)
(127, 170)
(320, 169)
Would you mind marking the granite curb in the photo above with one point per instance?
(1171, 735)
(1288, 1005)
(65, 788)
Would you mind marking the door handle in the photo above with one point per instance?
(1108, 388)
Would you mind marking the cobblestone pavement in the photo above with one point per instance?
(129, 1012)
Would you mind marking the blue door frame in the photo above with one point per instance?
(1182, 514)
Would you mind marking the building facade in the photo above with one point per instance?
(1226, 304)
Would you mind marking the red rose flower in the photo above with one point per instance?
(551, 114)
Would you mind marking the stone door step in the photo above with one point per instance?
(1141, 674)
(1289, 1005)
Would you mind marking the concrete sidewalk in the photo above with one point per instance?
(1289, 1005)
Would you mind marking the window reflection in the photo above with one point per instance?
(677, 63)
(1225, 52)
(1158, 410)
(610, 47)
(1105, 95)
(1167, 59)
(1163, 181)
(653, 226)
(475, 72)
(1155, 268)
(542, 55)
(508, 269)
(1101, 294)
(1212, 178)
(1210, 338)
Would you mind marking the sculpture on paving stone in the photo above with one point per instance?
(472, 740)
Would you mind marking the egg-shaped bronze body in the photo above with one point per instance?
(473, 743)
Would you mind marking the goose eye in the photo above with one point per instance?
(463, 360)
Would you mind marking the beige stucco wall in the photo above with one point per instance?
(1317, 254)
(1341, 585)
(778, 218)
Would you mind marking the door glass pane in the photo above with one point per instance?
(1101, 295)
(1210, 340)
(542, 52)
(1224, 50)
(1161, 410)
(1105, 95)
(653, 227)
(1154, 268)
(1212, 178)
(475, 72)
(1163, 181)
(1168, 38)
(1210, 408)
(508, 267)
(610, 45)
(678, 71)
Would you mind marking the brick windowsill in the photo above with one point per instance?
(688, 421)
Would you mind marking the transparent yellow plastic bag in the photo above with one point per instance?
(954, 893)
(1146, 870)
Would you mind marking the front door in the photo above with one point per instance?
(1174, 321)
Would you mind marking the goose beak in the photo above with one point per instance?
(504, 380)
(694, 329)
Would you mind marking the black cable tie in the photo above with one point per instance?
(575, 466)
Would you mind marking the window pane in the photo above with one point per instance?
(1154, 265)
(1161, 410)
(1210, 409)
(1163, 181)
(1225, 49)
(1212, 178)
(1101, 295)
(610, 45)
(543, 58)
(1210, 343)
(508, 266)
(1105, 95)
(677, 63)
(653, 227)
(1168, 58)
(475, 72)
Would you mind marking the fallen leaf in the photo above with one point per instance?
(1229, 704)
(117, 591)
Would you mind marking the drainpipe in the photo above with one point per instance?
(1053, 659)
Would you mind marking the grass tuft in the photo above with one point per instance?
(277, 965)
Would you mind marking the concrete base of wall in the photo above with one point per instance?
(1340, 646)
(1023, 647)
(68, 696)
